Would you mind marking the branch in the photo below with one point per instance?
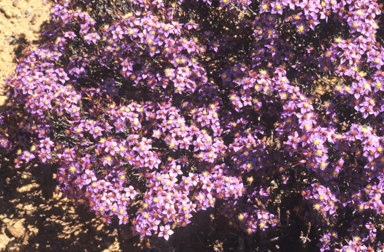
(242, 12)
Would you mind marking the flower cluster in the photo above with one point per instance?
(156, 110)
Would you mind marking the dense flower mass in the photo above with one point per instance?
(155, 110)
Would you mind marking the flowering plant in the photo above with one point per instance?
(251, 107)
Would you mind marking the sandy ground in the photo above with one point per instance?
(34, 218)
(20, 24)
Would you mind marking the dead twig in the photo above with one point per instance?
(323, 80)
(303, 238)
(242, 12)
(288, 213)
(275, 239)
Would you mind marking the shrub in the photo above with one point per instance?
(156, 110)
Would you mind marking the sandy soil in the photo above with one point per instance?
(20, 24)
(34, 218)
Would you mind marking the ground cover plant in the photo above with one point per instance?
(155, 110)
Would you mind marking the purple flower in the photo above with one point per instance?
(96, 131)
(165, 231)
(84, 28)
(277, 8)
(119, 126)
(107, 160)
(70, 34)
(91, 37)
(74, 111)
(27, 156)
(44, 155)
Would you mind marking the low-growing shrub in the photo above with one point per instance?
(154, 110)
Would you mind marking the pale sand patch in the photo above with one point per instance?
(20, 23)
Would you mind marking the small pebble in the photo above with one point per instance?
(28, 13)
(6, 12)
(15, 3)
(18, 16)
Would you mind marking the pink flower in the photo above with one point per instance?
(27, 156)
(96, 131)
(165, 232)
